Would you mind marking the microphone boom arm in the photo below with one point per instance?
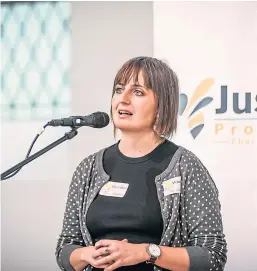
(68, 135)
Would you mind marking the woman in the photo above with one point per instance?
(143, 203)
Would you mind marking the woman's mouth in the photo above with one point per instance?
(124, 113)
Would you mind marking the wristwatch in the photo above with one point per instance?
(154, 252)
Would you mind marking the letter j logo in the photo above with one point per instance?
(193, 108)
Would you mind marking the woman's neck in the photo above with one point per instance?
(139, 144)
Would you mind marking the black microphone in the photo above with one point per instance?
(95, 120)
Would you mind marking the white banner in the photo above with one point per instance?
(212, 46)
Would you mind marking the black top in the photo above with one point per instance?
(136, 215)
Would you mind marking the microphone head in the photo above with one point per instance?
(100, 119)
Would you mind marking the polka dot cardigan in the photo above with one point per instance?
(192, 215)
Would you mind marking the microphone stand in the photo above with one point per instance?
(68, 135)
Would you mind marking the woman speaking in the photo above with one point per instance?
(143, 203)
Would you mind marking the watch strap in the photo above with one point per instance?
(151, 260)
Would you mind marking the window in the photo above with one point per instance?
(35, 60)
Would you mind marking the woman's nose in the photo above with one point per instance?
(125, 97)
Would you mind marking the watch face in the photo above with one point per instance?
(154, 250)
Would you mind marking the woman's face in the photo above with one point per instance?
(134, 107)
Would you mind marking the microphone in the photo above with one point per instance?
(95, 120)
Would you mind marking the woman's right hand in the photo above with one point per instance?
(86, 256)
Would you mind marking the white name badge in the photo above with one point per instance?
(113, 189)
(172, 186)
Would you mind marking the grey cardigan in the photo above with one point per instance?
(191, 213)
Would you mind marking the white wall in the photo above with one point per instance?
(113, 32)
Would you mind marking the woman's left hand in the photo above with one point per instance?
(119, 253)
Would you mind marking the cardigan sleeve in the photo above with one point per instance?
(208, 248)
(71, 236)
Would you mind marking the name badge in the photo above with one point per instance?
(172, 186)
(113, 189)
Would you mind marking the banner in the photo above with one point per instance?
(212, 46)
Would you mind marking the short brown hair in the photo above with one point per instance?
(159, 77)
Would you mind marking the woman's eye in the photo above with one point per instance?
(118, 90)
(139, 92)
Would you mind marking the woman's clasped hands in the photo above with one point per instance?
(112, 254)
